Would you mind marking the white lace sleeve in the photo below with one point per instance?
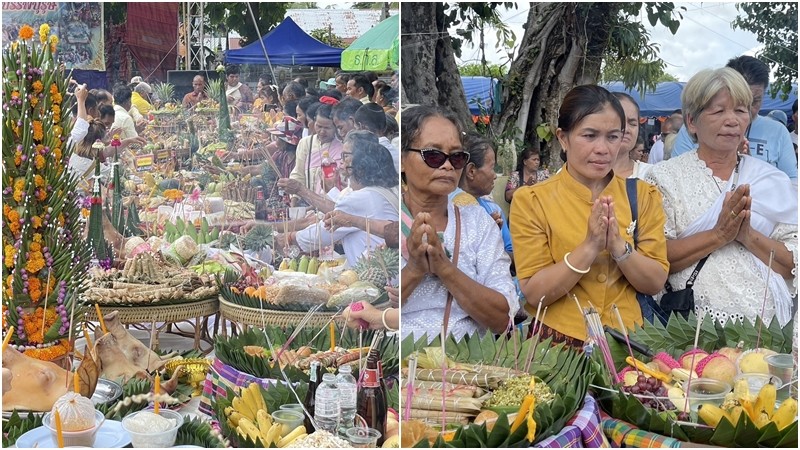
(788, 235)
(493, 263)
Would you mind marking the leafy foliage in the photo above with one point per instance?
(479, 70)
(235, 16)
(775, 26)
(470, 17)
(231, 351)
(566, 371)
(325, 36)
(16, 426)
(198, 432)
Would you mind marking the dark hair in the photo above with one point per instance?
(332, 93)
(752, 69)
(232, 69)
(379, 85)
(370, 75)
(122, 94)
(307, 101)
(582, 101)
(624, 96)
(677, 111)
(477, 146)
(101, 95)
(372, 117)
(296, 88)
(290, 108)
(311, 112)
(346, 108)
(392, 128)
(372, 164)
(303, 82)
(412, 119)
(272, 95)
(325, 111)
(527, 153)
(90, 102)
(106, 110)
(312, 91)
(360, 81)
(389, 94)
(344, 76)
(794, 106)
(361, 135)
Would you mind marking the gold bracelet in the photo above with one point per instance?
(573, 268)
(383, 320)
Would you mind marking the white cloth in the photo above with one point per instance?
(362, 203)
(482, 257)
(731, 283)
(234, 92)
(124, 123)
(640, 170)
(656, 152)
(394, 151)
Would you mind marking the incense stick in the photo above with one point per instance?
(766, 291)
(444, 378)
(532, 330)
(46, 295)
(535, 344)
(509, 328)
(625, 333)
(412, 374)
(691, 368)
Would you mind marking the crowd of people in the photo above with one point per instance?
(714, 212)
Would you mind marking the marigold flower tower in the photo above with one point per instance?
(45, 257)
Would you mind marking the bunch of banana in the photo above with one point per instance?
(249, 416)
(759, 409)
(304, 265)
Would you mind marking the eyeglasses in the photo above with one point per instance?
(435, 158)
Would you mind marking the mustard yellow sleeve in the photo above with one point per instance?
(530, 233)
(652, 241)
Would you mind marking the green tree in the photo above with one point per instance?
(612, 71)
(324, 35)
(775, 26)
(479, 70)
(235, 16)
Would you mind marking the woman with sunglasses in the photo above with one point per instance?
(573, 234)
(477, 292)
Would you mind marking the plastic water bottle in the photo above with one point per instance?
(327, 405)
(347, 395)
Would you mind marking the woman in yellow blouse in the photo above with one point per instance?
(577, 226)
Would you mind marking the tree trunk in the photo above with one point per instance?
(430, 75)
(562, 47)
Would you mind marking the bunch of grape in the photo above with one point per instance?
(651, 392)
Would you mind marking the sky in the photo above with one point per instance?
(704, 39)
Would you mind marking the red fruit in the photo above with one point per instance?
(665, 362)
(717, 367)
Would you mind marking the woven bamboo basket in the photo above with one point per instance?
(164, 313)
(257, 317)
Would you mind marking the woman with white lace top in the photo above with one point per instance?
(735, 208)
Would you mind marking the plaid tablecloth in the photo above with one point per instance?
(582, 430)
(624, 434)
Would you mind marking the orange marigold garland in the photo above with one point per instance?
(45, 259)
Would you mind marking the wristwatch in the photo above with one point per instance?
(625, 255)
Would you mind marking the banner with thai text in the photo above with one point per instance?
(79, 27)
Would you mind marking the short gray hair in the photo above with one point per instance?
(704, 85)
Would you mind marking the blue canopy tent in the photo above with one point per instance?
(667, 98)
(288, 45)
(483, 91)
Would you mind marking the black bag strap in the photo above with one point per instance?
(630, 185)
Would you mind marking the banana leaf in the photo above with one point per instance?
(566, 371)
(16, 426)
(197, 432)
(231, 351)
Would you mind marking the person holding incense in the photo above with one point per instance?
(455, 271)
(573, 234)
(373, 179)
(735, 208)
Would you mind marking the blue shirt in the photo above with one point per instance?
(490, 208)
(769, 141)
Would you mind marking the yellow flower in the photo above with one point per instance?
(34, 102)
(35, 246)
(41, 194)
(53, 89)
(26, 32)
(57, 98)
(38, 180)
(39, 162)
(44, 30)
(57, 153)
(6, 210)
(36, 221)
(37, 237)
(38, 133)
(19, 183)
(10, 252)
(37, 87)
(17, 158)
(57, 130)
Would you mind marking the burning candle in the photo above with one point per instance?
(100, 318)
(7, 339)
(158, 391)
(59, 430)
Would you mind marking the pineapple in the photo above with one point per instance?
(164, 91)
(371, 270)
(214, 89)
